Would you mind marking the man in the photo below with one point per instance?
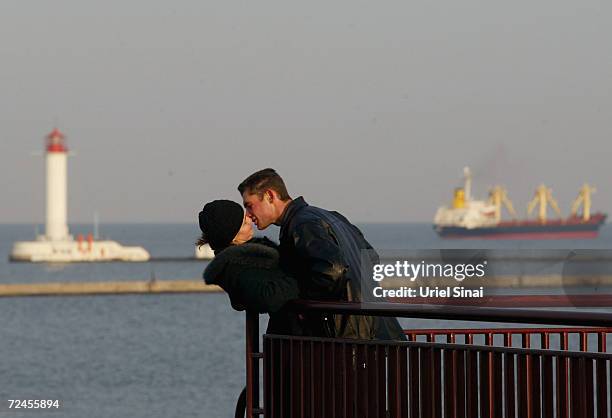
(322, 250)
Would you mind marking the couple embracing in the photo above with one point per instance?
(320, 256)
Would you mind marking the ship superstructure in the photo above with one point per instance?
(57, 245)
(482, 219)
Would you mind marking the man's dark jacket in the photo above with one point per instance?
(251, 276)
(331, 260)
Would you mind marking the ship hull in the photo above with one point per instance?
(528, 230)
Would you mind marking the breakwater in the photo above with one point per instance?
(198, 286)
(107, 288)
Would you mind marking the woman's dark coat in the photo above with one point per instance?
(253, 280)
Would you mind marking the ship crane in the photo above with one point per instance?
(584, 199)
(498, 196)
(543, 198)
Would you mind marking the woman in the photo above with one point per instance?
(247, 268)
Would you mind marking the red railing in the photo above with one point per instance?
(579, 339)
(543, 383)
(505, 372)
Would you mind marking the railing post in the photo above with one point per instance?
(252, 364)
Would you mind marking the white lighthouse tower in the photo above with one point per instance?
(57, 245)
(56, 228)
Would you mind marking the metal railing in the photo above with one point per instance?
(494, 372)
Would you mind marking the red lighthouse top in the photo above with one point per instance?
(55, 141)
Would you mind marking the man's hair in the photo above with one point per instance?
(262, 180)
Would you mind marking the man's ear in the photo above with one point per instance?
(269, 195)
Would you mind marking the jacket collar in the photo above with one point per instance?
(292, 208)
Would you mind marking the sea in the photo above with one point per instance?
(154, 356)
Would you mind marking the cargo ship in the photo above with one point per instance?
(469, 218)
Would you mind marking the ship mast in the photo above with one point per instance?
(584, 199)
(543, 198)
(467, 174)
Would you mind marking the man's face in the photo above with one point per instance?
(245, 232)
(261, 210)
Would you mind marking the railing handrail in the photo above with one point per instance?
(449, 346)
(457, 313)
(506, 331)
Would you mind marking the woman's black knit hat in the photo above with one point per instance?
(220, 221)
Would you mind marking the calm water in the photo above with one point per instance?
(147, 356)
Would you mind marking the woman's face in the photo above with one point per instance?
(246, 231)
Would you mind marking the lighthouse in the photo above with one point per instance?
(56, 228)
(57, 245)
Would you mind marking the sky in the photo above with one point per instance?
(368, 108)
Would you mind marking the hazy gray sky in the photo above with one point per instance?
(369, 108)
